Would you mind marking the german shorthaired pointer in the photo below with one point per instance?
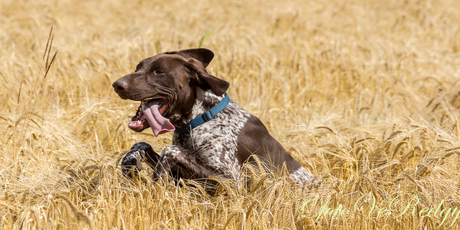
(212, 134)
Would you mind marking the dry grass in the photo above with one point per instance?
(365, 94)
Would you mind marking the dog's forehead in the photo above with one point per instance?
(163, 59)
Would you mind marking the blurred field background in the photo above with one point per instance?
(363, 93)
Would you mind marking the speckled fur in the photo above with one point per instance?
(215, 142)
(303, 177)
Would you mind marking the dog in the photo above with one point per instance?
(213, 135)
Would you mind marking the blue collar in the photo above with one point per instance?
(208, 115)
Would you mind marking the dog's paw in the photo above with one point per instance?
(133, 159)
(139, 153)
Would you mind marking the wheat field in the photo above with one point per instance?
(363, 93)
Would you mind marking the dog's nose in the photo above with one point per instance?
(120, 85)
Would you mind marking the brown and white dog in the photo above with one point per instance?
(174, 89)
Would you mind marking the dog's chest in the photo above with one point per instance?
(215, 142)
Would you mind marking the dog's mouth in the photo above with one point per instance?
(149, 114)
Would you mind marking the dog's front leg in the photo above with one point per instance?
(184, 164)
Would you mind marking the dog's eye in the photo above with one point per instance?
(157, 72)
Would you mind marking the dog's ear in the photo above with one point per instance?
(217, 85)
(203, 55)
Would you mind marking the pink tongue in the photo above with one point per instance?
(158, 123)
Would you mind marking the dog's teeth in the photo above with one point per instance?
(138, 122)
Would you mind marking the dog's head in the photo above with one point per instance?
(166, 85)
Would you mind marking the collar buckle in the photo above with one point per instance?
(207, 116)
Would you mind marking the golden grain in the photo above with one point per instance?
(365, 94)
